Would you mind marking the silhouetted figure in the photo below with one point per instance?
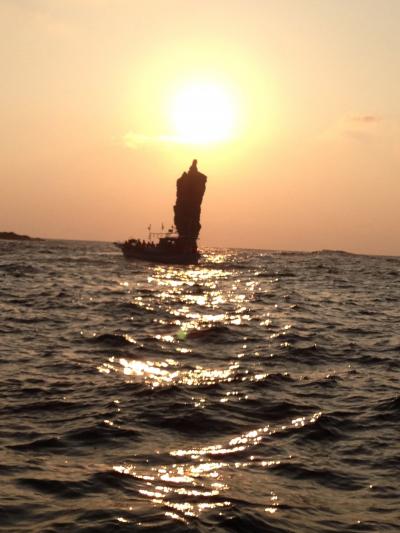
(190, 189)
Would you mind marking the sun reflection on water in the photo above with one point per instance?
(188, 489)
(197, 305)
(201, 482)
(165, 373)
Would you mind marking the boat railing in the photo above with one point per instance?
(163, 234)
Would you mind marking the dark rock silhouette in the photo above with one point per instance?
(11, 236)
(190, 189)
(180, 249)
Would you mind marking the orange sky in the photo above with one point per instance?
(89, 149)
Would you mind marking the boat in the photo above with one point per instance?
(179, 245)
(169, 249)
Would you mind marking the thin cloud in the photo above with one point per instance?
(366, 119)
(135, 141)
(361, 128)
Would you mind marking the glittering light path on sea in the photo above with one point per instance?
(257, 391)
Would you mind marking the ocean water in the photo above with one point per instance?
(258, 391)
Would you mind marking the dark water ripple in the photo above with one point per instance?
(256, 392)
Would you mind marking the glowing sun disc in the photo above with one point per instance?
(203, 113)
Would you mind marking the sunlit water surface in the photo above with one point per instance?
(255, 392)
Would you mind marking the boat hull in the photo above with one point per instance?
(155, 255)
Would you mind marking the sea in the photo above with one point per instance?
(257, 391)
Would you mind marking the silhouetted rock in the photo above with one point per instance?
(174, 249)
(190, 189)
(11, 236)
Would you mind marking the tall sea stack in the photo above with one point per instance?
(190, 189)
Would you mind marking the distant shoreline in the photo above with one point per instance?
(11, 236)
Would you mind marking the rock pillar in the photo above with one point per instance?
(190, 189)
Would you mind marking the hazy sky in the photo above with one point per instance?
(90, 149)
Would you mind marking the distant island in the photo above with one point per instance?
(11, 236)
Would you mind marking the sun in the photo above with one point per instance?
(203, 113)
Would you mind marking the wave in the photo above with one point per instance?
(324, 476)
(207, 382)
(112, 339)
